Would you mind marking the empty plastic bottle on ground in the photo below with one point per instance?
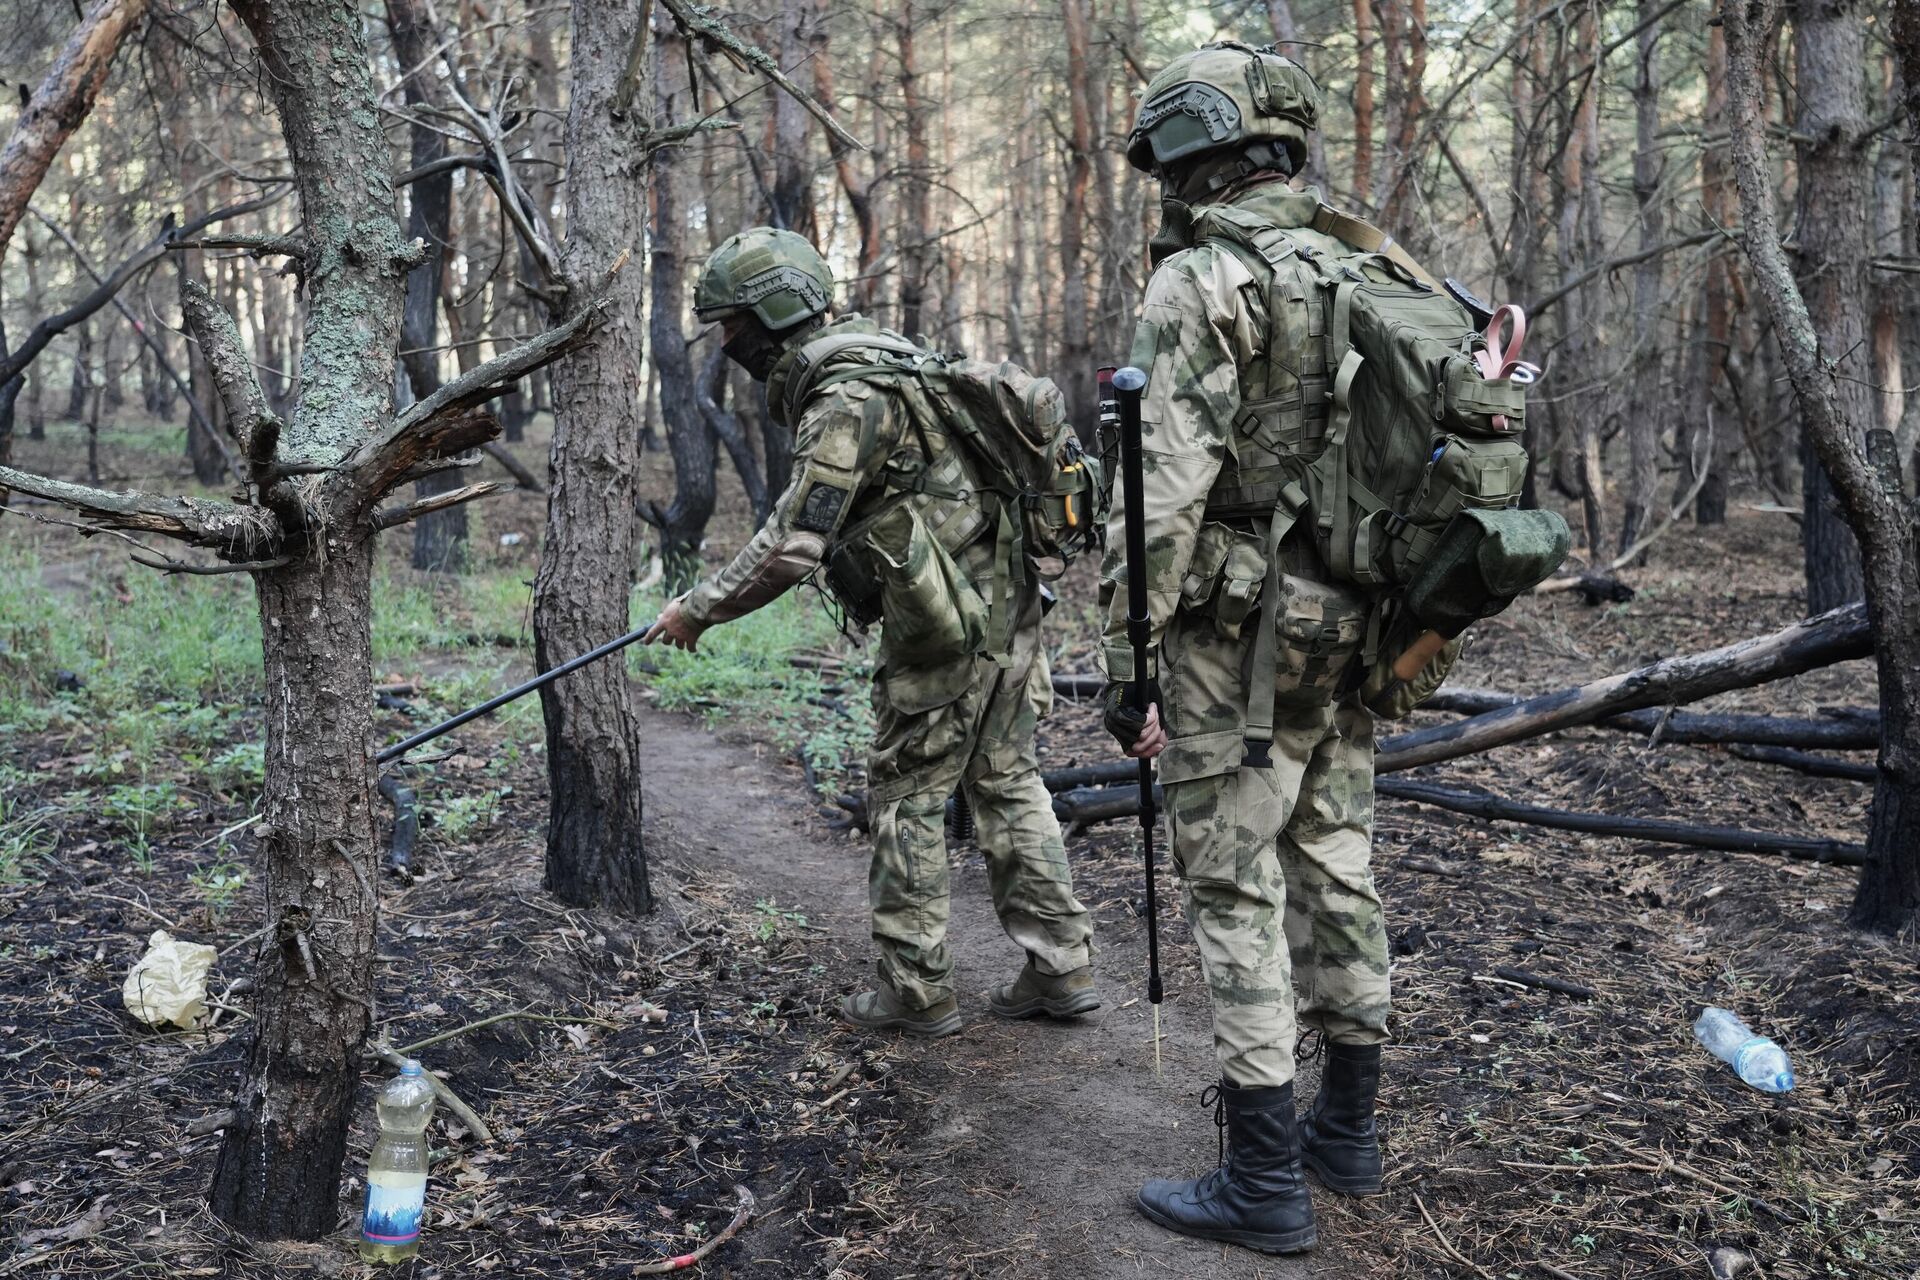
(397, 1170)
(1755, 1059)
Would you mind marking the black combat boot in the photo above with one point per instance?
(1341, 1140)
(1258, 1196)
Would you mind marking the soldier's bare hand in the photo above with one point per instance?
(674, 627)
(1153, 738)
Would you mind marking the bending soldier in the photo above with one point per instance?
(1273, 854)
(873, 481)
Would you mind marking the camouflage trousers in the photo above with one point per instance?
(970, 724)
(1273, 862)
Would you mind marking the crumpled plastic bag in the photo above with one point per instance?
(169, 983)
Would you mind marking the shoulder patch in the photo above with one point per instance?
(820, 508)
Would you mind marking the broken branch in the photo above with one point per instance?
(248, 416)
(391, 516)
(443, 423)
(202, 522)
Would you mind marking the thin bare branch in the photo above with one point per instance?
(258, 246)
(53, 326)
(170, 566)
(714, 32)
(388, 517)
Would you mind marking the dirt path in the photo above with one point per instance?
(1036, 1135)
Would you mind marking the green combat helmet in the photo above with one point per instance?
(1226, 98)
(776, 275)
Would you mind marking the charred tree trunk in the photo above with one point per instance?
(683, 524)
(596, 855)
(440, 537)
(1866, 481)
(1830, 83)
(278, 1174)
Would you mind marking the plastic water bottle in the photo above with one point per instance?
(397, 1170)
(1755, 1059)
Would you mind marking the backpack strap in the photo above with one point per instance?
(1258, 736)
(1367, 238)
(809, 376)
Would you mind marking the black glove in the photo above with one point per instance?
(1118, 715)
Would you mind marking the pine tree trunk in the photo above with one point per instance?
(596, 854)
(1363, 158)
(1830, 80)
(278, 1173)
(1646, 396)
(1075, 374)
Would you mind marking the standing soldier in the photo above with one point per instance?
(897, 511)
(1266, 758)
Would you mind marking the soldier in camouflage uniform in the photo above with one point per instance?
(966, 721)
(1273, 856)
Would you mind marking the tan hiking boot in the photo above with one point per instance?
(882, 1010)
(1034, 993)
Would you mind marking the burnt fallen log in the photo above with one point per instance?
(1086, 805)
(1816, 642)
(1808, 763)
(1857, 730)
(1659, 830)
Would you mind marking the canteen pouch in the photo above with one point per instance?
(1463, 471)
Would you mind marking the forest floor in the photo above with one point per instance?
(1528, 1134)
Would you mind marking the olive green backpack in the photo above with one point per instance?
(1414, 432)
(1046, 498)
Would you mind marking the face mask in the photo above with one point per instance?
(754, 349)
(1175, 233)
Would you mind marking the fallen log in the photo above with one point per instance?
(1103, 804)
(1079, 686)
(1593, 587)
(1816, 642)
(1659, 830)
(1807, 762)
(1857, 730)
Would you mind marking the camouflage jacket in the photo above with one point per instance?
(853, 441)
(1203, 340)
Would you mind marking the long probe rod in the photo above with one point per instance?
(401, 748)
(1128, 383)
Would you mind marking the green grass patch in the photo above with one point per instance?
(744, 670)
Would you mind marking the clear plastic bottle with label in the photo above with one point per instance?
(397, 1169)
